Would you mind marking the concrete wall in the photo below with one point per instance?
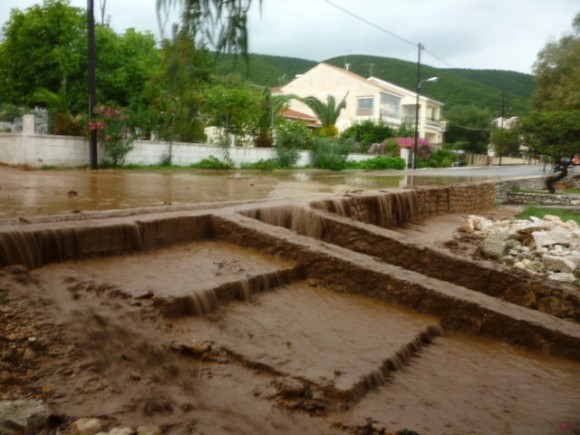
(35, 151)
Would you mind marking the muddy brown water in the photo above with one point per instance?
(243, 321)
(42, 192)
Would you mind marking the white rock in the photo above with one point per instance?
(552, 218)
(571, 224)
(556, 236)
(467, 226)
(481, 224)
(122, 431)
(494, 245)
(558, 264)
(562, 277)
(86, 426)
(519, 265)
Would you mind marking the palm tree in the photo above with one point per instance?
(327, 113)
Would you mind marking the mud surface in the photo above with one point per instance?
(235, 334)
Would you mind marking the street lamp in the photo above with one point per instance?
(419, 83)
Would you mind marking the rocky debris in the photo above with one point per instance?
(86, 426)
(546, 247)
(22, 415)
(95, 426)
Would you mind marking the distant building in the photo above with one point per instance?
(371, 98)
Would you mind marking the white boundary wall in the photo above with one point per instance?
(36, 150)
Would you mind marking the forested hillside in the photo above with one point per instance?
(482, 88)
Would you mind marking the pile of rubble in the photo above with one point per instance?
(547, 247)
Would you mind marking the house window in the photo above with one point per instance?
(390, 105)
(365, 106)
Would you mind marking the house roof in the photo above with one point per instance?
(300, 116)
(377, 83)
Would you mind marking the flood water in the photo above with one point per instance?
(41, 192)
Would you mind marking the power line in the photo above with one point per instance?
(352, 14)
(440, 60)
(369, 23)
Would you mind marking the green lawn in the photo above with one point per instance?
(565, 215)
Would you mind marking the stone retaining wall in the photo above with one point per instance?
(568, 200)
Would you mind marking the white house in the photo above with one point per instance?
(370, 98)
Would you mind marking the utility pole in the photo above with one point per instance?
(92, 55)
(416, 139)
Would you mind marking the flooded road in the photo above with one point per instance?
(40, 192)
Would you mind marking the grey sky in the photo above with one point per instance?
(490, 34)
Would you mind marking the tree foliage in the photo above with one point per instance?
(45, 46)
(469, 128)
(505, 141)
(42, 47)
(233, 104)
(220, 24)
(557, 72)
(555, 134)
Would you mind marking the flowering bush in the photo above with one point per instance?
(423, 146)
(112, 125)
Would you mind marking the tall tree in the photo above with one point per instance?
(42, 47)
(469, 128)
(174, 93)
(555, 134)
(45, 47)
(557, 72)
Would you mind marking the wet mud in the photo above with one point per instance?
(302, 317)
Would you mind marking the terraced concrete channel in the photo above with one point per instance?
(324, 300)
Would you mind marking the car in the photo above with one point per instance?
(576, 160)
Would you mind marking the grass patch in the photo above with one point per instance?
(573, 191)
(565, 215)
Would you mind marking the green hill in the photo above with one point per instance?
(264, 70)
(482, 88)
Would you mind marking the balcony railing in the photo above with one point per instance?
(441, 125)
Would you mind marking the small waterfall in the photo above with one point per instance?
(379, 376)
(204, 302)
(33, 248)
(393, 209)
(195, 304)
(293, 218)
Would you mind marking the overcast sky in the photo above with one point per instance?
(490, 34)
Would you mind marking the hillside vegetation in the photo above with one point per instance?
(482, 88)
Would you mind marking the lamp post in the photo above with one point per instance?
(419, 83)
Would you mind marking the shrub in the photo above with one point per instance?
(438, 159)
(331, 154)
(378, 163)
(291, 137)
(294, 134)
(263, 165)
(211, 162)
(368, 132)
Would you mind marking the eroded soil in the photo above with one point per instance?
(92, 339)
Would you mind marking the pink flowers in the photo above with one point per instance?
(423, 146)
(114, 132)
(409, 142)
